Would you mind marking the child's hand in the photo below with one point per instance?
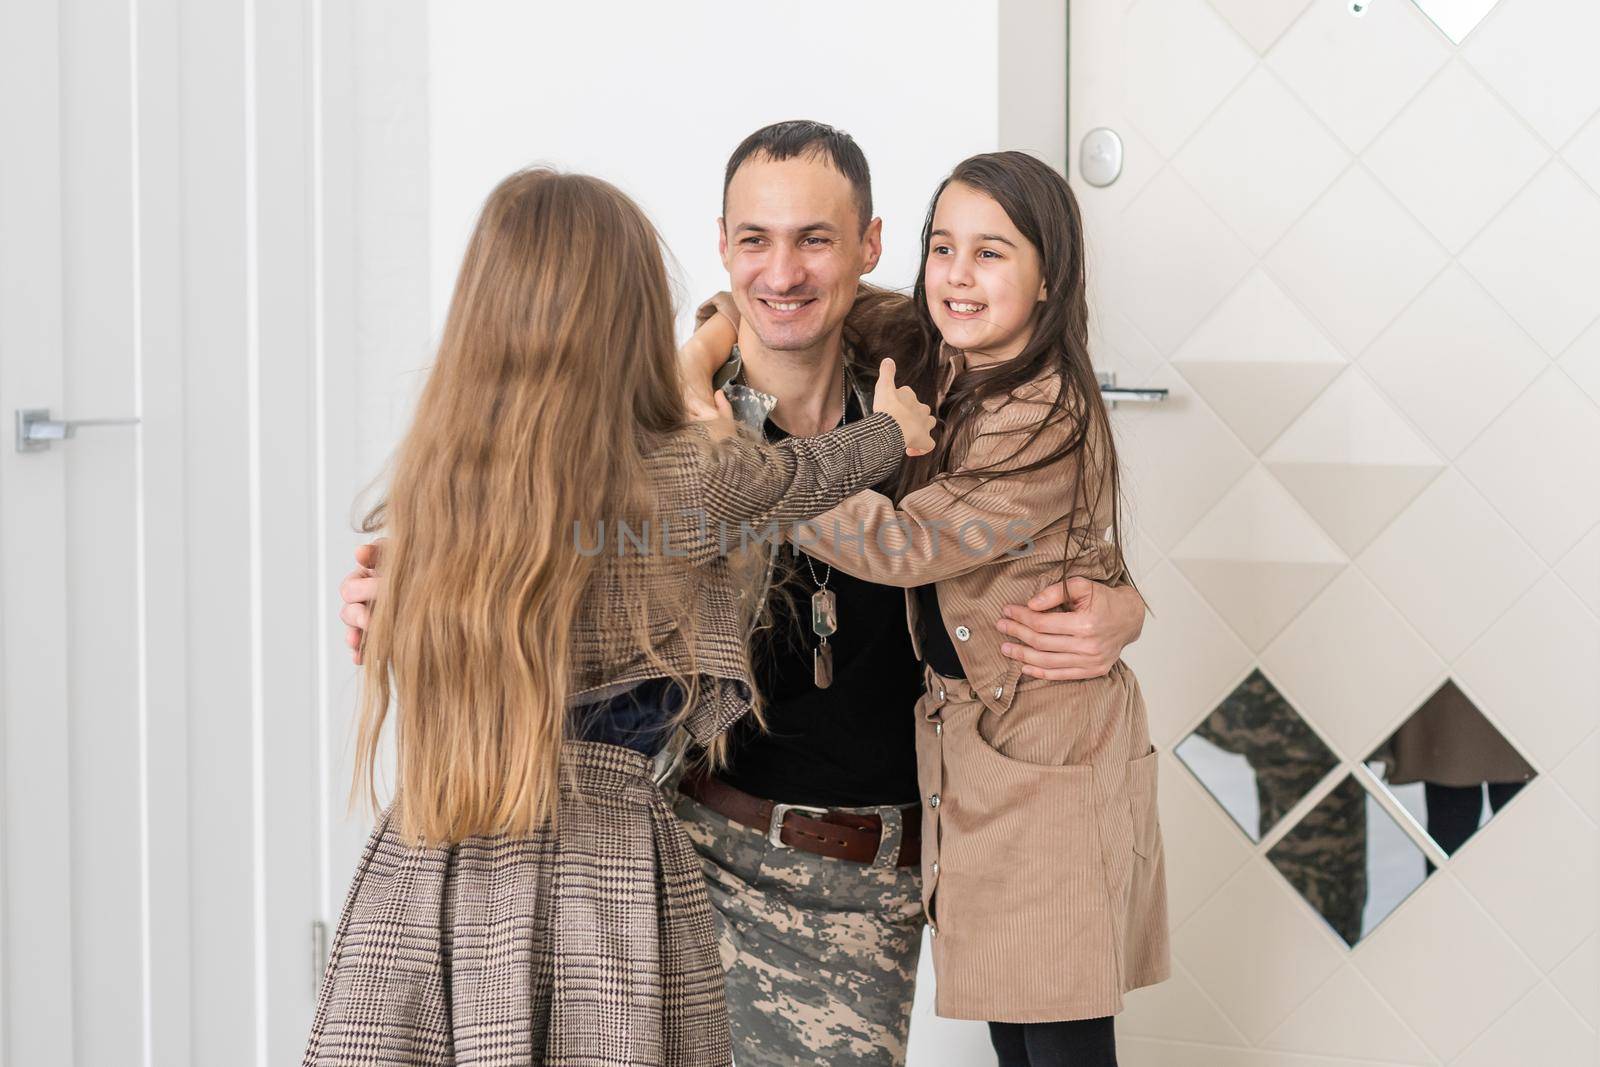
(915, 418)
(698, 362)
(716, 414)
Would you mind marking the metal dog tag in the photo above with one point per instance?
(822, 665)
(824, 613)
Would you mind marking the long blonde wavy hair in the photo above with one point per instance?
(559, 341)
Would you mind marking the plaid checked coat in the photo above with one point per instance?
(590, 943)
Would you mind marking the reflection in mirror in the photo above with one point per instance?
(1456, 18)
(1256, 755)
(1350, 860)
(1450, 768)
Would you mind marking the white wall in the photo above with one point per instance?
(654, 100)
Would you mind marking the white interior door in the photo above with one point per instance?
(76, 797)
(160, 607)
(1363, 259)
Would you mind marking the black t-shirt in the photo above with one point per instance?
(938, 651)
(852, 744)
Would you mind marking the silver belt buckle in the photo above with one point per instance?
(775, 830)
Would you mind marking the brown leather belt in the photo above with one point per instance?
(842, 835)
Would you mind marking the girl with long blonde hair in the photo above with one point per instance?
(557, 599)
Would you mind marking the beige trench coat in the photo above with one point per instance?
(1043, 870)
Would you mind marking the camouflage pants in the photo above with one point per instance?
(821, 954)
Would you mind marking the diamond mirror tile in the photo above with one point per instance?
(1450, 768)
(1350, 860)
(1456, 18)
(1256, 756)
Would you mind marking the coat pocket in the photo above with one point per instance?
(1142, 803)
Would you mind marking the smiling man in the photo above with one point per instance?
(811, 836)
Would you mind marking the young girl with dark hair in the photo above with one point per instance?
(1043, 870)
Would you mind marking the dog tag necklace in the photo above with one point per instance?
(824, 604)
(824, 622)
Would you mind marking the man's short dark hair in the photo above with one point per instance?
(818, 140)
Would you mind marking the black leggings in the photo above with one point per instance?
(1079, 1043)
(1454, 811)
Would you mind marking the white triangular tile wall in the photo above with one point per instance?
(1548, 916)
(1581, 569)
(1451, 564)
(1579, 774)
(1356, 259)
(1539, 56)
(1353, 462)
(1456, 329)
(1177, 1010)
(1203, 845)
(1260, 22)
(1535, 668)
(1177, 460)
(1455, 155)
(1582, 153)
(1258, 950)
(1321, 1026)
(1187, 657)
(1581, 361)
(1540, 257)
(1356, 74)
(1258, 559)
(1254, 186)
(1258, 361)
(1540, 1028)
(1167, 101)
(1149, 1052)
(1578, 979)
(1355, 708)
(1536, 464)
(1445, 967)
(1367, 263)
(1172, 261)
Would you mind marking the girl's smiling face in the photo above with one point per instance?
(984, 280)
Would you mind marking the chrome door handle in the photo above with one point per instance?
(36, 429)
(1149, 396)
(1114, 394)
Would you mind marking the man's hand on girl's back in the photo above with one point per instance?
(357, 591)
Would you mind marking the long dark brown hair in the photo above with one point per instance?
(1044, 210)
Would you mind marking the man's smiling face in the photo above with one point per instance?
(792, 241)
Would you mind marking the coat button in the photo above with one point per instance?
(941, 692)
(962, 633)
(935, 868)
(938, 729)
(933, 929)
(933, 801)
(999, 690)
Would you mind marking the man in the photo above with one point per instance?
(810, 837)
